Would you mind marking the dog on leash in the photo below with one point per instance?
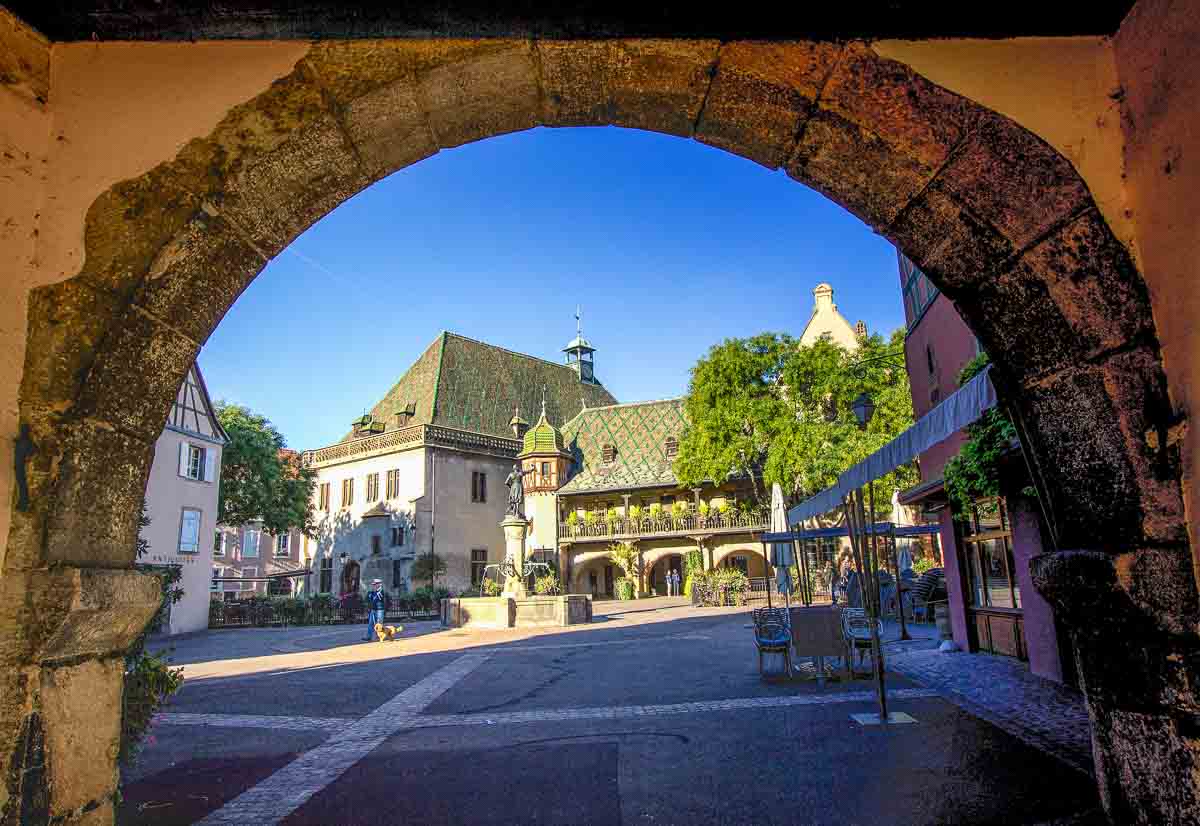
(387, 632)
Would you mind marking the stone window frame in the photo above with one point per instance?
(479, 562)
(372, 487)
(323, 496)
(393, 483)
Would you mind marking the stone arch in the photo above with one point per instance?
(998, 220)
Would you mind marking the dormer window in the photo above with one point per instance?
(672, 447)
(609, 454)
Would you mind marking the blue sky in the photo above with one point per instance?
(669, 245)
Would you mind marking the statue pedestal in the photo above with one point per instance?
(514, 554)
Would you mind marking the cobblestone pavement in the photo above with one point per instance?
(654, 714)
(1002, 691)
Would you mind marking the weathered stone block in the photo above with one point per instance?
(948, 242)
(1012, 313)
(31, 611)
(891, 128)
(1092, 280)
(251, 132)
(389, 129)
(101, 483)
(481, 96)
(658, 85)
(1135, 382)
(1087, 427)
(1160, 583)
(349, 69)
(761, 94)
(373, 85)
(198, 275)
(107, 610)
(857, 169)
(137, 374)
(1013, 180)
(283, 193)
(67, 321)
(920, 119)
(81, 707)
(127, 225)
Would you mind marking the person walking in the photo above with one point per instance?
(376, 602)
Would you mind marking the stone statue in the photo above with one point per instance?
(516, 491)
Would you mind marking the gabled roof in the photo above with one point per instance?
(193, 410)
(638, 433)
(469, 385)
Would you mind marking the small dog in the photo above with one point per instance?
(387, 632)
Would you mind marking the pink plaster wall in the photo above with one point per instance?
(954, 581)
(1041, 637)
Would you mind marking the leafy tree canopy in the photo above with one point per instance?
(260, 479)
(772, 410)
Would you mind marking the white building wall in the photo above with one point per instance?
(342, 528)
(167, 494)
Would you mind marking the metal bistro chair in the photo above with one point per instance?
(773, 635)
(856, 628)
(930, 588)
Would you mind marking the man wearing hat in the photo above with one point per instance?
(376, 602)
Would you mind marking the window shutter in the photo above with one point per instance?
(183, 458)
(210, 465)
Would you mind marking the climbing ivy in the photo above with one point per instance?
(974, 473)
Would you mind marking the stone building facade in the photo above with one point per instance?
(181, 499)
(423, 472)
(622, 488)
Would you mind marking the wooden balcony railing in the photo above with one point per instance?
(645, 526)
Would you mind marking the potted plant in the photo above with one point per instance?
(679, 512)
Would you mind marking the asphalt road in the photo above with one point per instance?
(655, 714)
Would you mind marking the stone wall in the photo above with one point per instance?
(129, 252)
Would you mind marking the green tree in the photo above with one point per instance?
(428, 567)
(260, 478)
(625, 556)
(734, 406)
(772, 410)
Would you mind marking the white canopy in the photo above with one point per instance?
(957, 411)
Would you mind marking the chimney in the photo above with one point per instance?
(823, 298)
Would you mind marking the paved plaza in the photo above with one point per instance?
(653, 714)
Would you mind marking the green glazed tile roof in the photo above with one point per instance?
(543, 437)
(637, 431)
(466, 384)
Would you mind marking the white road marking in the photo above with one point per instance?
(418, 721)
(274, 721)
(289, 788)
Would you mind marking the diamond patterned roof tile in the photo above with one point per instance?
(638, 433)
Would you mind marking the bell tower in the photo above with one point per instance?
(545, 457)
(579, 353)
